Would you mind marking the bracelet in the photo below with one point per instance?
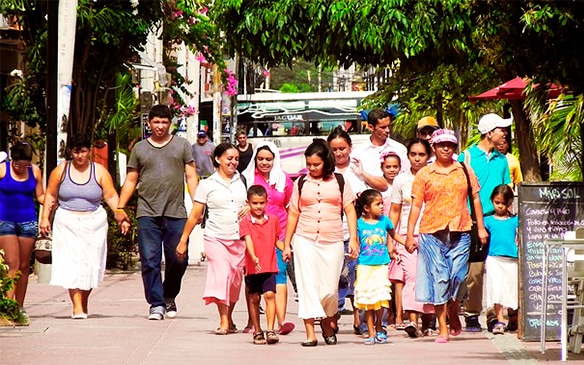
(120, 209)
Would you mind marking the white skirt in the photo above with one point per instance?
(317, 267)
(79, 249)
(502, 281)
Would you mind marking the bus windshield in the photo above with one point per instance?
(292, 120)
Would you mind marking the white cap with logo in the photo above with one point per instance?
(488, 122)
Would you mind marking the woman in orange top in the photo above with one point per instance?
(444, 239)
(314, 218)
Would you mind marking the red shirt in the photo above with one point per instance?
(264, 236)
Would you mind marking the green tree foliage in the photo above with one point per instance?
(109, 34)
(479, 39)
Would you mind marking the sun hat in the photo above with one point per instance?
(428, 122)
(444, 135)
(490, 121)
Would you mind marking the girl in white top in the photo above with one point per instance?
(419, 151)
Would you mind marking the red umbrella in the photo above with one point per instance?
(514, 90)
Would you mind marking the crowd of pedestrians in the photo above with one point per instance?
(384, 226)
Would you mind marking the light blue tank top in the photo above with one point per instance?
(80, 197)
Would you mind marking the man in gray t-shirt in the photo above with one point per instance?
(203, 152)
(158, 167)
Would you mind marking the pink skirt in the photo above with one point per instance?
(409, 264)
(224, 270)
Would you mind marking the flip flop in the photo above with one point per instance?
(442, 339)
(455, 327)
(221, 331)
(286, 328)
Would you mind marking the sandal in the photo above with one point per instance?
(221, 331)
(272, 337)
(369, 341)
(380, 337)
(499, 328)
(233, 328)
(258, 338)
(442, 339)
(400, 326)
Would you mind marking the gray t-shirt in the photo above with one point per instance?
(161, 186)
(203, 155)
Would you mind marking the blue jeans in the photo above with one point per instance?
(442, 266)
(154, 233)
(347, 279)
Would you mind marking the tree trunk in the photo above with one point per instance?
(525, 141)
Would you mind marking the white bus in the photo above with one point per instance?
(292, 120)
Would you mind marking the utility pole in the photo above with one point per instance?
(50, 89)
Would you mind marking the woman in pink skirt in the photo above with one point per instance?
(224, 196)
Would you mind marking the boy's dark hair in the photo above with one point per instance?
(256, 190)
(160, 111)
(21, 151)
(376, 114)
(504, 190)
(79, 140)
(320, 148)
(364, 200)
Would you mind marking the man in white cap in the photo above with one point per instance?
(492, 169)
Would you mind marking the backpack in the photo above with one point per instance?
(206, 211)
(340, 180)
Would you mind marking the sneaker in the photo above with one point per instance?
(491, 324)
(472, 324)
(156, 313)
(512, 325)
(171, 309)
(499, 328)
(412, 330)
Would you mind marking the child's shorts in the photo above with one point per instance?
(261, 283)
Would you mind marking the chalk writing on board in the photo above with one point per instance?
(546, 212)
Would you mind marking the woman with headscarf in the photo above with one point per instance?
(264, 169)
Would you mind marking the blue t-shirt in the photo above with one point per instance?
(503, 234)
(491, 171)
(373, 241)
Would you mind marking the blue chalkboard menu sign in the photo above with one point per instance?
(546, 211)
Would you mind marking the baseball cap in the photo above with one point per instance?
(202, 133)
(490, 121)
(444, 135)
(428, 122)
(3, 156)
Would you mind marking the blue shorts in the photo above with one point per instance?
(281, 277)
(24, 229)
(442, 266)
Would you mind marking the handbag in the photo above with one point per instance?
(478, 252)
(43, 250)
(43, 246)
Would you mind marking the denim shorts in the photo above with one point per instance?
(442, 266)
(282, 267)
(24, 229)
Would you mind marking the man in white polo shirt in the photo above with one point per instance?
(367, 156)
